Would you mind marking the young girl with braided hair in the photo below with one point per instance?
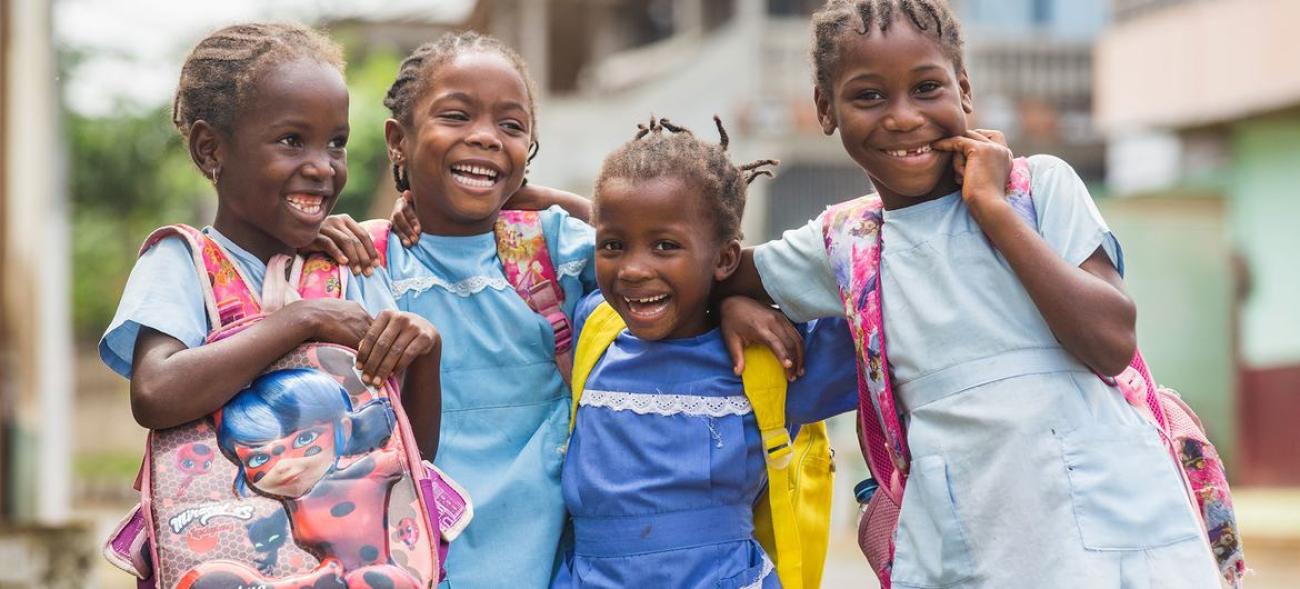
(665, 463)
(461, 135)
(1023, 468)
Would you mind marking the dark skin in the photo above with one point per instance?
(900, 106)
(281, 168)
(656, 266)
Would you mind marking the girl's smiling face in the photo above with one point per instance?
(467, 145)
(892, 95)
(658, 256)
(284, 162)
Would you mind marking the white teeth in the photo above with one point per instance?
(307, 204)
(472, 182)
(647, 300)
(476, 170)
(924, 149)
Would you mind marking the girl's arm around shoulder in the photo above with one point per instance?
(172, 384)
(1067, 270)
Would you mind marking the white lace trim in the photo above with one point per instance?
(767, 570)
(571, 268)
(653, 403)
(463, 288)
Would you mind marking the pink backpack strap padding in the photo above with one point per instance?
(379, 231)
(226, 295)
(527, 264)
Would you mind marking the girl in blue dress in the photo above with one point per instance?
(1027, 469)
(665, 462)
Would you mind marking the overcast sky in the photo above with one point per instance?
(135, 47)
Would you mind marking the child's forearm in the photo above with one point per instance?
(172, 384)
(534, 197)
(1086, 306)
(422, 401)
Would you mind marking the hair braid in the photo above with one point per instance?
(834, 20)
(663, 149)
(220, 72)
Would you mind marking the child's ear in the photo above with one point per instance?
(963, 82)
(205, 143)
(394, 136)
(728, 260)
(824, 115)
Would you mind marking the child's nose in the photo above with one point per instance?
(903, 116)
(484, 137)
(319, 167)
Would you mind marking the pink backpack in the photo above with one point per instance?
(852, 235)
(214, 510)
(526, 263)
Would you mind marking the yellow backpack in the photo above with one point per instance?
(793, 523)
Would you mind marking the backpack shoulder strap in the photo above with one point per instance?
(598, 332)
(379, 231)
(526, 262)
(226, 295)
(765, 387)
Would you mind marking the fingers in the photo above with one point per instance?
(995, 136)
(736, 348)
(323, 243)
(369, 346)
(399, 353)
(793, 342)
(405, 223)
(366, 256)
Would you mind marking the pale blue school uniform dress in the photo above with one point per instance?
(665, 462)
(505, 408)
(1027, 470)
(163, 293)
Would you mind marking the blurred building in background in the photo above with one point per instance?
(1201, 101)
(607, 64)
(37, 545)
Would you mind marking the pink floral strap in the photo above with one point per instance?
(226, 294)
(527, 265)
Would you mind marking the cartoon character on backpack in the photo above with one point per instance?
(293, 435)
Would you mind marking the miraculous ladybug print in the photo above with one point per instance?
(295, 436)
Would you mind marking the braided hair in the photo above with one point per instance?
(839, 17)
(662, 149)
(221, 71)
(420, 67)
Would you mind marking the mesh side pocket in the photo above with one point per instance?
(876, 533)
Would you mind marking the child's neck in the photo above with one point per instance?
(250, 238)
(893, 201)
(432, 223)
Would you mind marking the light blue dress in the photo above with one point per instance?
(505, 408)
(665, 462)
(164, 294)
(1027, 470)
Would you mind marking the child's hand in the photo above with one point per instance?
(405, 224)
(334, 321)
(748, 322)
(344, 240)
(983, 164)
(394, 340)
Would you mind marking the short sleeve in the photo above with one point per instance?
(374, 292)
(796, 273)
(573, 247)
(163, 293)
(1068, 218)
(829, 385)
